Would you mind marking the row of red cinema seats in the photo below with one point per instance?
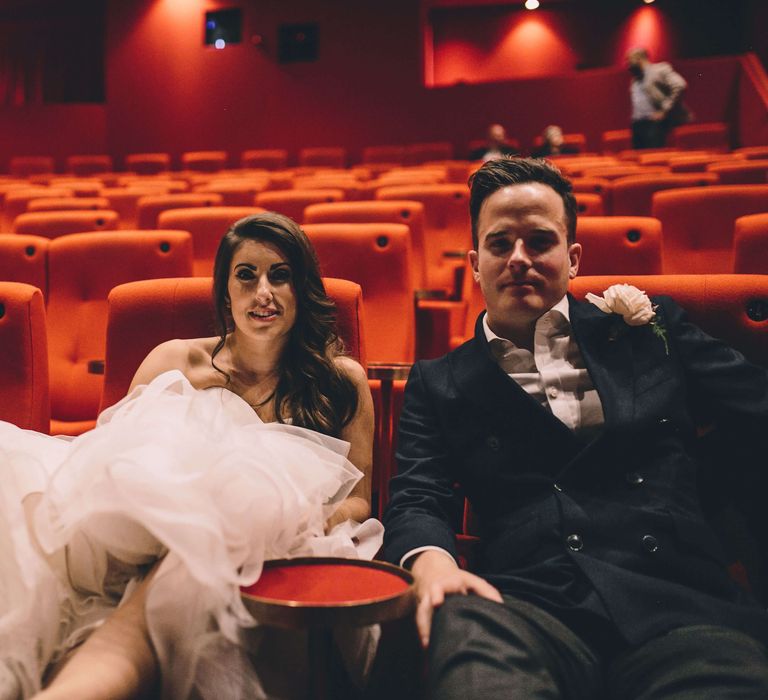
(712, 136)
(142, 314)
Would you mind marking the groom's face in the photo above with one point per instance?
(523, 260)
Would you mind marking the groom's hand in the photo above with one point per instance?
(436, 575)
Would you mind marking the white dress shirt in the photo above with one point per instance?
(553, 374)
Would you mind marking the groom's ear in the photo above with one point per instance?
(574, 258)
(472, 258)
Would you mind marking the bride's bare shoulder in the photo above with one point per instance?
(187, 355)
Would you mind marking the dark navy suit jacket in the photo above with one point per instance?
(613, 527)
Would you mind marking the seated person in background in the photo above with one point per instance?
(497, 145)
(553, 144)
(571, 428)
(251, 445)
(656, 96)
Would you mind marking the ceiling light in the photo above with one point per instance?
(531, 4)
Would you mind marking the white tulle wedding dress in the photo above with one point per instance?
(191, 477)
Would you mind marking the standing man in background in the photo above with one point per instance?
(656, 93)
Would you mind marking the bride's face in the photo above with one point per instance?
(261, 291)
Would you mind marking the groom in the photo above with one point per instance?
(572, 432)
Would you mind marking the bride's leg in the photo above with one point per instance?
(116, 662)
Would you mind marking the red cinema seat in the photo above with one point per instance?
(292, 203)
(632, 195)
(616, 141)
(447, 230)
(24, 370)
(378, 258)
(748, 172)
(699, 163)
(577, 143)
(67, 204)
(125, 200)
(384, 154)
(82, 269)
(148, 163)
(24, 259)
(418, 153)
(53, 224)
(589, 204)
(753, 152)
(23, 166)
(713, 136)
(149, 207)
(83, 166)
(17, 200)
(204, 161)
(613, 172)
(207, 225)
(267, 158)
(141, 315)
(235, 192)
(386, 212)
(620, 245)
(697, 224)
(323, 157)
(750, 244)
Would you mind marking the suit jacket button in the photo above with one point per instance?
(574, 543)
(493, 442)
(634, 479)
(650, 543)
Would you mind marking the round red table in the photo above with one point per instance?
(317, 593)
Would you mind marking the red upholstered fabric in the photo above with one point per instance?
(24, 259)
(149, 207)
(750, 172)
(292, 203)
(699, 163)
(377, 257)
(697, 224)
(717, 303)
(615, 141)
(30, 165)
(406, 212)
(446, 226)
(417, 153)
(238, 192)
(589, 204)
(326, 584)
(82, 269)
(754, 152)
(125, 200)
(82, 166)
(67, 203)
(24, 369)
(207, 225)
(632, 195)
(750, 244)
(713, 136)
(384, 154)
(144, 314)
(612, 172)
(17, 199)
(323, 157)
(619, 245)
(53, 224)
(204, 161)
(270, 158)
(147, 163)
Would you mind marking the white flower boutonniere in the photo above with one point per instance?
(634, 307)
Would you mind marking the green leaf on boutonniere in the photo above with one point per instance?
(660, 332)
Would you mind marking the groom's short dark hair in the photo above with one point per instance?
(495, 174)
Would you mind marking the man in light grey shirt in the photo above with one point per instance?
(656, 94)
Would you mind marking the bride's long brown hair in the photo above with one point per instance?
(311, 388)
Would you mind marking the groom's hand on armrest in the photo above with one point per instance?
(436, 575)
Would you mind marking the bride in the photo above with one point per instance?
(227, 451)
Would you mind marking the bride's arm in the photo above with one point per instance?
(359, 433)
(116, 662)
